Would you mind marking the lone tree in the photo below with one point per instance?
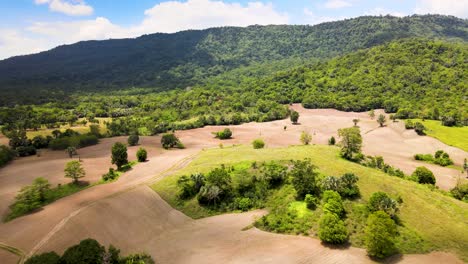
(294, 117)
(380, 235)
(119, 155)
(356, 121)
(332, 141)
(351, 142)
(133, 140)
(306, 138)
(424, 175)
(170, 140)
(71, 151)
(381, 120)
(372, 114)
(74, 170)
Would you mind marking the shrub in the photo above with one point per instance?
(424, 157)
(294, 117)
(141, 155)
(306, 138)
(409, 124)
(223, 134)
(424, 175)
(380, 235)
(133, 139)
(332, 230)
(74, 170)
(334, 207)
(332, 141)
(330, 195)
(274, 173)
(6, 155)
(349, 187)
(258, 144)
(119, 155)
(40, 142)
(243, 204)
(460, 192)
(77, 141)
(311, 201)
(111, 175)
(419, 128)
(380, 201)
(170, 140)
(24, 151)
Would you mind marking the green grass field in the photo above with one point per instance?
(430, 220)
(453, 136)
(82, 129)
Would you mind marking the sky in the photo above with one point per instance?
(31, 26)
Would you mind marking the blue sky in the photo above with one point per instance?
(29, 26)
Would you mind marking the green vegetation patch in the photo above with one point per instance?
(453, 136)
(427, 219)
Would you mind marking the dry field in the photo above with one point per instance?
(129, 215)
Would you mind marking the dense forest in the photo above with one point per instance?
(189, 58)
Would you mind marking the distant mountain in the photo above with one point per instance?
(168, 61)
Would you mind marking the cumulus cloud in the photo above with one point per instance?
(167, 17)
(446, 7)
(77, 8)
(336, 4)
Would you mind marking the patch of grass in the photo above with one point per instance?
(429, 220)
(453, 136)
(82, 129)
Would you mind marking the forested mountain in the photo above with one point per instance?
(168, 61)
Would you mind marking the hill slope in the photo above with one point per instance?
(175, 60)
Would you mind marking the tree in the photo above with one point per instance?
(88, 251)
(44, 258)
(258, 144)
(119, 155)
(133, 139)
(356, 121)
(71, 151)
(294, 117)
(304, 178)
(306, 138)
(372, 114)
(95, 130)
(381, 120)
(393, 118)
(169, 140)
(332, 141)
(380, 201)
(332, 230)
(424, 175)
(351, 142)
(74, 170)
(380, 235)
(141, 154)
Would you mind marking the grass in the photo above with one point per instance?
(82, 129)
(429, 220)
(453, 136)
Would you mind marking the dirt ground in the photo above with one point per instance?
(129, 215)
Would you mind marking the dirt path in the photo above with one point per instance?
(109, 212)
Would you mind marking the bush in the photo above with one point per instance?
(258, 144)
(311, 201)
(424, 157)
(306, 138)
(294, 117)
(419, 128)
(409, 124)
(274, 173)
(133, 140)
(460, 192)
(332, 230)
(40, 142)
(380, 201)
(380, 235)
(243, 204)
(334, 207)
(424, 175)
(332, 141)
(77, 141)
(141, 155)
(111, 175)
(223, 134)
(24, 151)
(6, 155)
(170, 140)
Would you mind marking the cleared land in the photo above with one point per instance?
(36, 231)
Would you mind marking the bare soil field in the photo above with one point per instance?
(128, 209)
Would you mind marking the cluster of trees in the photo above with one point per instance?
(418, 127)
(90, 251)
(40, 193)
(331, 226)
(440, 157)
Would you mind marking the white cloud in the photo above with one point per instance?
(336, 4)
(78, 8)
(382, 11)
(314, 19)
(170, 16)
(446, 7)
